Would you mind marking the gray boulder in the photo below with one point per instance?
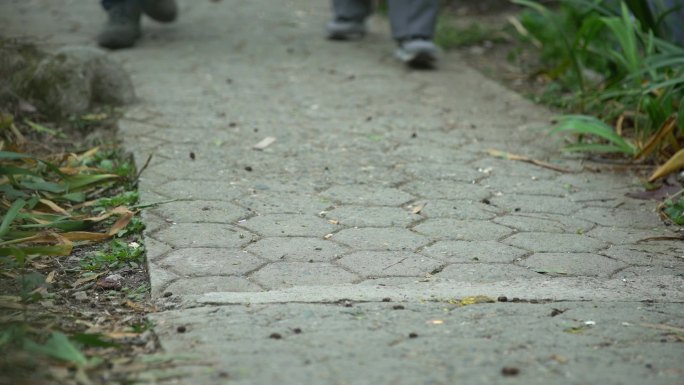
(67, 82)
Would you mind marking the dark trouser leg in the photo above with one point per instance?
(413, 18)
(351, 9)
(107, 4)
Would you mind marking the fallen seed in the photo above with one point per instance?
(413, 335)
(275, 336)
(398, 307)
(503, 298)
(510, 371)
(181, 329)
(387, 299)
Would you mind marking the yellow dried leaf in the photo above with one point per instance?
(673, 164)
(476, 299)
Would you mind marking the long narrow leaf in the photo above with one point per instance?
(11, 214)
(580, 124)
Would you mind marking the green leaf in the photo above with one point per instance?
(95, 340)
(11, 170)
(8, 155)
(581, 124)
(58, 347)
(22, 252)
(42, 129)
(79, 181)
(64, 225)
(11, 214)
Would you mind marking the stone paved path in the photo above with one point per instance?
(339, 254)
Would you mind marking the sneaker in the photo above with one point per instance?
(343, 29)
(123, 26)
(163, 11)
(418, 53)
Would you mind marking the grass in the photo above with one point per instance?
(69, 218)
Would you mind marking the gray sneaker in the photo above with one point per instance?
(418, 53)
(341, 29)
(163, 11)
(123, 26)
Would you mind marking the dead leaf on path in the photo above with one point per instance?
(87, 279)
(328, 236)
(509, 156)
(51, 277)
(265, 142)
(334, 222)
(672, 165)
(476, 300)
(418, 208)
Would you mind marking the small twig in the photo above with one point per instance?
(147, 163)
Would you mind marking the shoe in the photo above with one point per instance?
(163, 11)
(418, 53)
(343, 29)
(123, 25)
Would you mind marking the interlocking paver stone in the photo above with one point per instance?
(388, 263)
(368, 195)
(472, 230)
(621, 235)
(378, 238)
(287, 274)
(554, 242)
(205, 189)
(281, 225)
(362, 216)
(470, 251)
(201, 285)
(483, 273)
(550, 223)
(534, 204)
(586, 264)
(646, 218)
(267, 202)
(204, 235)
(211, 261)
(201, 211)
(444, 189)
(458, 210)
(296, 249)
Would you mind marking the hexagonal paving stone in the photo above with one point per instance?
(200, 211)
(207, 190)
(287, 274)
(535, 204)
(445, 189)
(645, 218)
(446, 228)
(389, 263)
(485, 272)
(465, 251)
(552, 242)
(431, 171)
(618, 235)
(209, 261)
(550, 223)
(204, 235)
(586, 264)
(282, 202)
(202, 285)
(459, 210)
(296, 249)
(367, 195)
(360, 216)
(379, 238)
(525, 185)
(282, 225)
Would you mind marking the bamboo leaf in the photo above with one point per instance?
(673, 164)
(657, 138)
(58, 347)
(11, 214)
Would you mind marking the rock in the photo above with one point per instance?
(67, 82)
(80, 296)
(111, 282)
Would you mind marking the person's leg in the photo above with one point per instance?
(123, 24)
(163, 11)
(413, 27)
(349, 19)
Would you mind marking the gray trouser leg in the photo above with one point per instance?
(352, 9)
(413, 18)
